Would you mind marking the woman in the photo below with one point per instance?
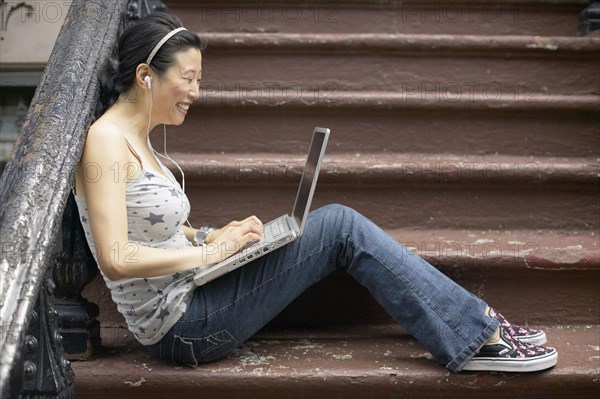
(134, 213)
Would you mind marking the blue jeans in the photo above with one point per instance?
(448, 320)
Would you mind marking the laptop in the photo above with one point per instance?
(284, 229)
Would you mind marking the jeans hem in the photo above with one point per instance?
(467, 354)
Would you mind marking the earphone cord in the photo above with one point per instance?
(166, 156)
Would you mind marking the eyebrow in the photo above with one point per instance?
(191, 70)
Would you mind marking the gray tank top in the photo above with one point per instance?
(157, 208)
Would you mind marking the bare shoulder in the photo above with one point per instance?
(105, 139)
(105, 131)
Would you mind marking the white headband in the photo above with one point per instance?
(160, 44)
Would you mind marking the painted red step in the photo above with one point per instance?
(450, 66)
(355, 362)
(370, 122)
(385, 168)
(544, 17)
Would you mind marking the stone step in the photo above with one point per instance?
(372, 122)
(346, 362)
(401, 190)
(386, 168)
(433, 207)
(446, 65)
(544, 18)
(537, 277)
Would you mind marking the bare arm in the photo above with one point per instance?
(189, 232)
(105, 196)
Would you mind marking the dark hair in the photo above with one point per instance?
(133, 48)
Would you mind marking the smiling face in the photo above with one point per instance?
(177, 88)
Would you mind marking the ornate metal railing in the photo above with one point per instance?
(34, 189)
(589, 19)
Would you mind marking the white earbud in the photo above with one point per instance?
(148, 81)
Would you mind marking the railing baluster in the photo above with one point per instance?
(47, 374)
(74, 267)
(589, 19)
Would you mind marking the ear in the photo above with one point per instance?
(141, 72)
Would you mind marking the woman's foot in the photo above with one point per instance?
(523, 334)
(506, 353)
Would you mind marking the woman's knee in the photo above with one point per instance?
(340, 218)
(338, 211)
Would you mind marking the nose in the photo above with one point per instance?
(194, 92)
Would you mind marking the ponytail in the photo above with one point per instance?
(107, 79)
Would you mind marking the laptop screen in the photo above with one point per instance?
(310, 175)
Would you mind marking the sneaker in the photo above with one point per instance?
(523, 334)
(512, 355)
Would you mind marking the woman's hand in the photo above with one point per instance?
(234, 236)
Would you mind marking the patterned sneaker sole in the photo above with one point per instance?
(513, 365)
